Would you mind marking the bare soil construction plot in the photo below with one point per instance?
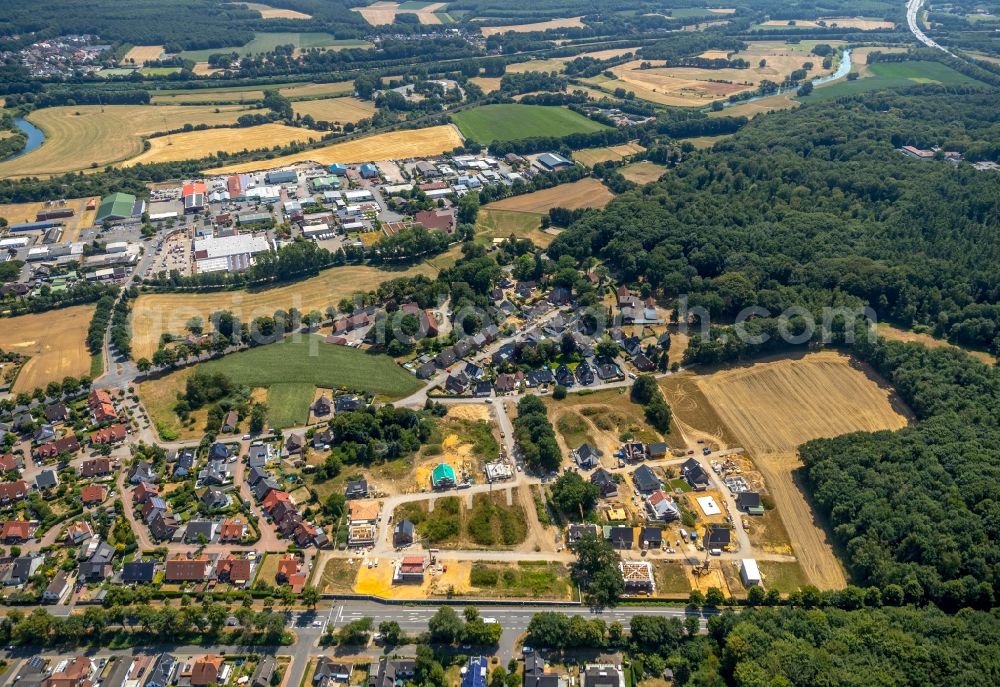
(770, 408)
(337, 110)
(156, 314)
(55, 341)
(141, 54)
(394, 145)
(191, 145)
(586, 193)
(570, 23)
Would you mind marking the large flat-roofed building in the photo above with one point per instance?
(193, 194)
(229, 253)
(119, 206)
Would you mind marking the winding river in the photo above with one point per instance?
(34, 134)
(843, 69)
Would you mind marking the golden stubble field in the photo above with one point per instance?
(214, 95)
(77, 136)
(141, 54)
(381, 13)
(568, 23)
(591, 156)
(643, 172)
(55, 340)
(769, 409)
(342, 110)
(394, 145)
(586, 193)
(842, 22)
(156, 314)
(192, 145)
(691, 86)
(268, 12)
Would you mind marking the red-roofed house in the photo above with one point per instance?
(144, 491)
(442, 220)
(14, 531)
(101, 406)
(273, 498)
(13, 491)
(93, 494)
(232, 529)
(67, 444)
(233, 570)
(112, 434)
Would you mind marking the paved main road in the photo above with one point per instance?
(310, 626)
(913, 8)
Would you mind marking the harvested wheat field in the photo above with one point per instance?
(687, 86)
(141, 54)
(156, 314)
(394, 145)
(52, 357)
(570, 23)
(906, 336)
(841, 22)
(338, 110)
(586, 193)
(782, 101)
(591, 156)
(78, 136)
(268, 12)
(192, 145)
(770, 408)
(643, 172)
(217, 95)
(552, 65)
(489, 84)
(381, 13)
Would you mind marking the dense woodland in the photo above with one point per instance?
(815, 207)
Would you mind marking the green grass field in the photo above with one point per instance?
(892, 75)
(512, 122)
(292, 370)
(265, 42)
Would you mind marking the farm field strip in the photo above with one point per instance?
(512, 122)
(687, 86)
(292, 91)
(568, 23)
(266, 42)
(346, 109)
(394, 145)
(52, 356)
(586, 193)
(382, 13)
(81, 136)
(268, 12)
(643, 172)
(141, 54)
(770, 408)
(196, 144)
(155, 314)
